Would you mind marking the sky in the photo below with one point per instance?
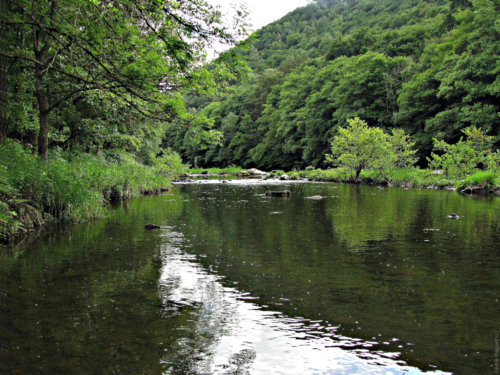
(263, 12)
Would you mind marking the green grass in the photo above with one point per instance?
(482, 180)
(33, 190)
(229, 170)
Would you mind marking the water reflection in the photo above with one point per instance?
(362, 281)
(231, 335)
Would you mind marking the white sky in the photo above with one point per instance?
(262, 12)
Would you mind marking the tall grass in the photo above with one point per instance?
(70, 192)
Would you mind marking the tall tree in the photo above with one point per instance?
(142, 52)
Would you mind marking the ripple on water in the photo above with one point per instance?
(265, 342)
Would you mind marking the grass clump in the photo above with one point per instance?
(486, 181)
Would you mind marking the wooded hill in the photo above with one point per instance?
(430, 67)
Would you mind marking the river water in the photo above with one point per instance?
(364, 281)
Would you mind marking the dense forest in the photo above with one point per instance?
(429, 67)
(87, 91)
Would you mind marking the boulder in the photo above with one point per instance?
(256, 172)
(453, 216)
(243, 174)
(285, 193)
(285, 177)
(152, 226)
(205, 172)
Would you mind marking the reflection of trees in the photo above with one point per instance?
(84, 300)
(361, 257)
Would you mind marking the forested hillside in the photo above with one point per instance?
(430, 67)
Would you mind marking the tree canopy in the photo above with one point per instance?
(132, 57)
(427, 67)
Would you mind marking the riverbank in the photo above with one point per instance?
(35, 192)
(483, 182)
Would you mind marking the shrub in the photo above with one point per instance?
(463, 158)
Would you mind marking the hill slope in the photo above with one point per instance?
(430, 67)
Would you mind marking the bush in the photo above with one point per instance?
(463, 158)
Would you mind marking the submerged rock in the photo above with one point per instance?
(285, 193)
(152, 226)
(453, 216)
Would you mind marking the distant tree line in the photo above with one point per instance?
(430, 68)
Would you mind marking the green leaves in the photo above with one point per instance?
(359, 147)
(463, 158)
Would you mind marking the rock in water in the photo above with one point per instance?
(453, 216)
(152, 226)
(284, 177)
(285, 193)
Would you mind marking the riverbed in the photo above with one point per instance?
(365, 280)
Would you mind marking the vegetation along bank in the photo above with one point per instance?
(97, 103)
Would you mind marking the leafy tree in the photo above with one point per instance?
(359, 147)
(141, 52)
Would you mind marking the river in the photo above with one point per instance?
(363, 281)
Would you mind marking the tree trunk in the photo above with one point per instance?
(43, 102)
(3, 91)
(43, 137)
(33, 140)
(358, 173)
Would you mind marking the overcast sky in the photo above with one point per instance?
(263, 12)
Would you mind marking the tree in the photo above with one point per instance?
(359, 147)
(402, 148)
(141, 52)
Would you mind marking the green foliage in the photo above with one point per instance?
(132, 58)
(232, 170)
(484, 180)
(359, 147)
(75, 191)
(464, 157)
(402, 148)
(169, 164)
(428, 67)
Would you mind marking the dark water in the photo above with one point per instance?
(365, 281)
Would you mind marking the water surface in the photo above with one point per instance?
(362, 281)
